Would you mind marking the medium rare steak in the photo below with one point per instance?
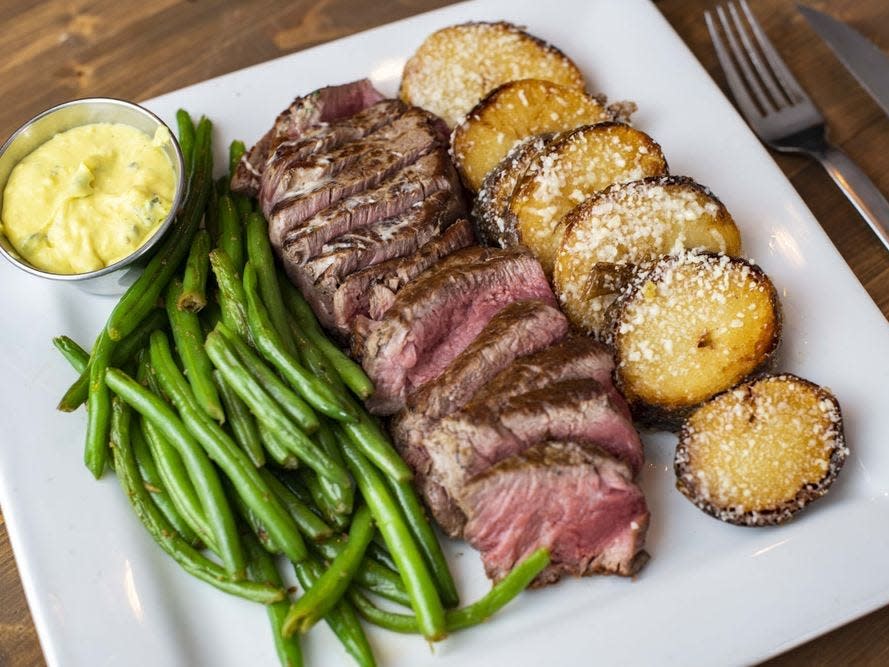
(574, 499)
(323, 180)
(352, 297)
(390, 238)
(482, 434)
(436, 316)
(572, 358)
(307, 115)
(327, 138)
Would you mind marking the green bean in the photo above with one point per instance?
(122, 352)
(186, 138)
(342, 619)
(73, 353)
(174, 475)
(340, 496)
(276, 448)
(231, 292)
(231, 238)
(142, 295)
(427, 540)
(332, 585)
(350, 372)
(191, 560)
(98, 407)
(157, 491)
(379, 553)
(227, 455)
(498, 597)
(242, 423)
(329, 510)
(284, 396)
(371, 575)
(318, 394)
(257, 527)
(244, 206)
(259, 254)
(262, 569)
(222, 186)
(236, 150)
(209, 317)
(211, 216)
(201, 471)
(186, 329)
(308, 522)
(269, 413)
(197, 267)
(389, 519)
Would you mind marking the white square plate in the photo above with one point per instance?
(102, 593)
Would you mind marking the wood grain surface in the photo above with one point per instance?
(61, 49)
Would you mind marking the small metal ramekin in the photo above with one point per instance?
(113, 279)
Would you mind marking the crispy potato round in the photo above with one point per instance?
(573, 167)
(629, 223)
(759, 453)
(512, 112)
(490, 205)
(456, 66)
(692, 326)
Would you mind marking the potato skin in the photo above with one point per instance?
(492, 201)
(671, 416)
(456, 66)
(686, 479)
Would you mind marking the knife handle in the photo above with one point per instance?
(859, 189)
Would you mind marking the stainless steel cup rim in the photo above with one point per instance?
(159, 233)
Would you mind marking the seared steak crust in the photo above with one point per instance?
(306, 116)
(352, 297)
(435, 317)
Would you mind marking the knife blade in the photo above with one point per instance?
(859, 55)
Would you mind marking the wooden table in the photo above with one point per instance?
(58, 50)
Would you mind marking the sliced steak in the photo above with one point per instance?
(430, 174)
(305, 116)
(324, 180)
(572, 358)
(352, 297)
(327, 138)
(467, 443)
(436, 316)
(390, 238)
(573, 499)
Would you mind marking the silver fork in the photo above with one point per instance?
(782, 115)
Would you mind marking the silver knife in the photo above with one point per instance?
(859, 55)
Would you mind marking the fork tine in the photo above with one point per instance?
(791, 86)
(765, 74)
(739, 90)
(743, 63)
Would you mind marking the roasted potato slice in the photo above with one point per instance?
(759, 453)
(631, 223)
(456, 66)
(512, 112)
(692, 326)
(493, 198)
(573, 167)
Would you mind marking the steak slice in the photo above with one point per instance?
(470, 441)
(393, 237)
(326, 138)
(305, 116)
(323, 180)
(352, 297)
(437, 315)
(572, 358)
(573, 499)
(429, 174)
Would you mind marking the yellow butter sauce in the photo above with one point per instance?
(88, 197)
